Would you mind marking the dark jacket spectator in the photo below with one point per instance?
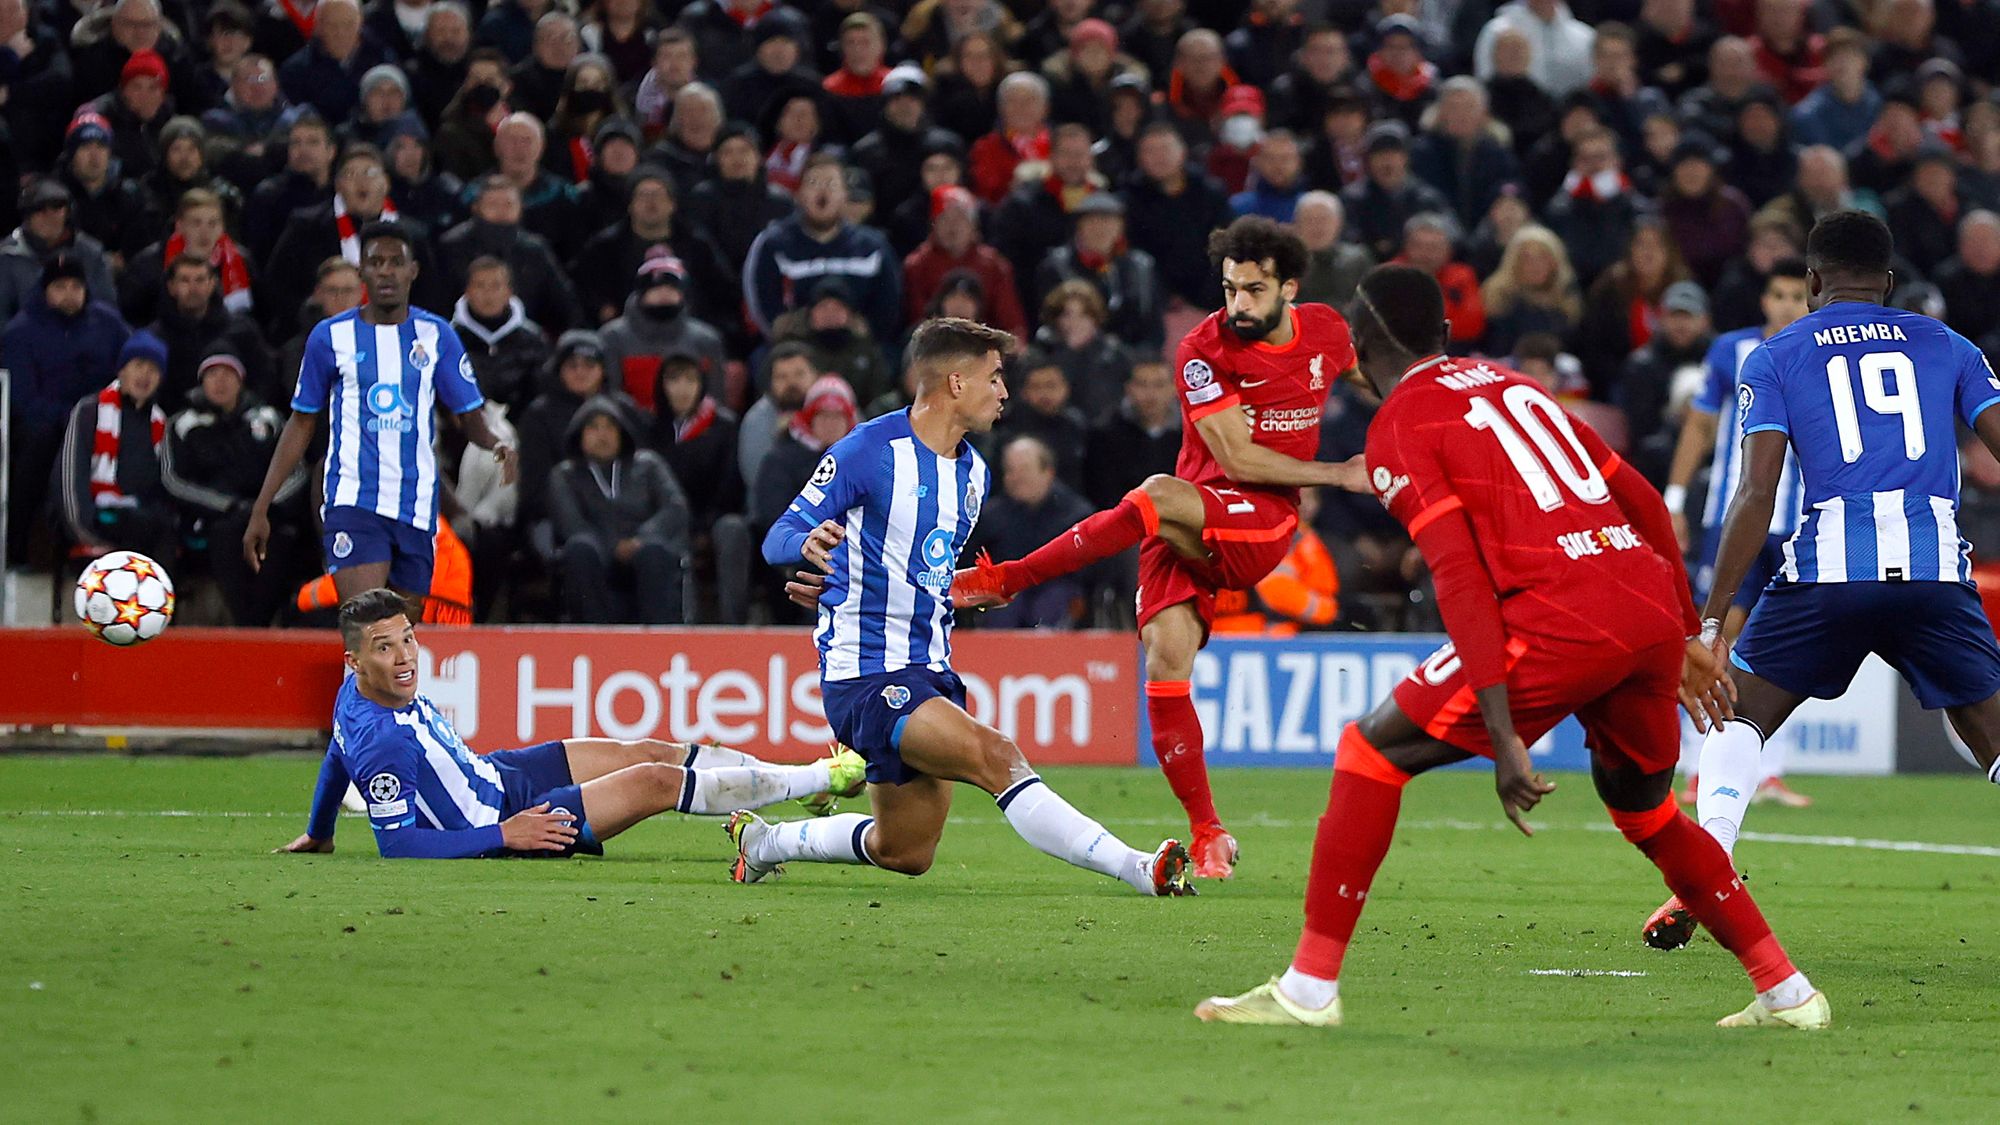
(893, 152)
(1710, 220)
(1622, 308)
(1925, 212)
(734, 206)
(1970, 279)
(609, 262)
(658, 321)
(795, 254)
(620, 522)
(954, 245)
(194, 323)
(1127, 278)
(1073, 336)
(1385, 198)
(1461, 157)
(508, 349)
(110, 490)
(104, 204)
(326, 73)
(574, 373)
(698, 438)
(495, 231)
(1595, 209)
(1142, 436)
(1041, 409)
(44, 235)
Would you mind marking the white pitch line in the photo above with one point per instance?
(1583, 973)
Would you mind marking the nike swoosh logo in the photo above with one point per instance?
(1256, 383)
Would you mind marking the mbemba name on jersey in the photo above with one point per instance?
(886, 604)
(378, 385)
(1869, 397)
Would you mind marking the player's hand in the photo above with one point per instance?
(510, 462)
(256, 537)
(1351, 475)
(306, 844)
(1519, 786)
(538, 830)
(820, 544)
(804, 589)
(1708, 692)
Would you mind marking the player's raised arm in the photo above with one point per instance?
(810, 528)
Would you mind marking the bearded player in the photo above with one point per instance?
(1560, 583)
(1253, 380)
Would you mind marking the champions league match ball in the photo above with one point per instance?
(124, 598)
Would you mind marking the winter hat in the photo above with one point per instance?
(384, 72)
(661, 269)
(62, 266)
(1090, 31)
(578, 342)
(143, 345)
(145, 64)
(945, 196)
(88, 128)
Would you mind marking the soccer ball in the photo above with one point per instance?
(125, 597)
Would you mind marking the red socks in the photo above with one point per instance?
(1700, 873)
(1353, 838)
(1177, 744)
(1095, 537)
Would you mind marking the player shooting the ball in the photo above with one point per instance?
(430, 797)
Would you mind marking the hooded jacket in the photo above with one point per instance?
(544, 425)
(57, 359)
(22, 259)
(633, 496)
(507, 358)
(213, 459)
(635, 343)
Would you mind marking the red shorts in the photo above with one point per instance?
(1627, 702)
(1247, 534)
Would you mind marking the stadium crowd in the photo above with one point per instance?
(685, 245)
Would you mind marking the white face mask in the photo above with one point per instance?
(1241, 131)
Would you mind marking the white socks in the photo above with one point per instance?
(1054, 826)
(715, 792)
(708, 757)
(1308, 991)
(1788, 993)
(1730, 770)
(827, 839)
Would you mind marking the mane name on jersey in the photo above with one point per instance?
(1471, 378)
(1857, 334)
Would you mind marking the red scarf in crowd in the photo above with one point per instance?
(787, 164)
(745, 19)
(1099, 263)
(1644, 316)
(694, 425)
(104, 490)
(350, 234)
(1596, 189)
(1200, 105)
(305, 22)
(229, 264)
(579, 160)
(1402, 87)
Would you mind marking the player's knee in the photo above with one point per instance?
(661, 783)
(911, 861)
(1000, 761)
(1161, 486)
(654, 750)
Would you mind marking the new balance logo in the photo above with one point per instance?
(1723, 791)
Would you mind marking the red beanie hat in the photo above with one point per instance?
(142, 64)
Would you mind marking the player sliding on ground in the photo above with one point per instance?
(1560, 584)
(885, 516)
(1870, 397)
(429, 797)
(1253, 380)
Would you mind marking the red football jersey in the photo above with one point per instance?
(1280, 389)
(1565, 559)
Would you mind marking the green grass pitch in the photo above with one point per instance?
(164, 967)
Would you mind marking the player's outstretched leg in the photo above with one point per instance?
(1354, 833)
(1700, 874)
(1161, 501)
(617, 800)
(591, 758)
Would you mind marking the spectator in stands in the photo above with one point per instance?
(1906, 37)
(1386, 198)
(1128, 110)
(1275, 181)
(698, 438)
(934, 27)
(1738, 298)
(953, 245)
(1048, 32)
(548, 203)
(1196, 85)
(840, 339)
(1171, 207)
(104, 42)
(314, 234)
(250, 118)
(1622, 308)
(1298, 98)
(39, 77)
(1516, 99)
(183, 167)
(385, 96)
(818, 242)
(1492, 236)
(44, 235)
(620, 521)
(111, 493)
(1139, 438)
(1333, 265)
(968, 83)
(465, 131)
(494, 231)
(305, 181)
(1882, 161)
(442, 59)
(1083, 74)
(1762, 159)
(193, 322)
(1153, 34)
(1427, 245)
(773, 72)
(1839, 111)
(1925, 212)
(104, 204)
(136, 111)
(792, 122)
(735, 205)
(1821, 187)
(508, 348)
(1533, 290)
(1710, 220)
(1732, 77)
(326, 72)
(621, 31)
(573, 375)
(424, 192)
(657, 320)
(1970, 279)
(198, 229)
(610, 260)
(1559, 41)
(1127, 277)
(1652, 375)
(1595, 209)
(721, 31)
(1074, 336)
(588, 100)
(60, 346)
(1673, 45)
(212, 463)
(854, 93)
(1399, 80)
(1623, 102)
(1461, 153)
(1019, 135)
(1790, 55)
(1041, 409)
(1030, 508)
(1337, 156)
(789, 373)
(336, 289)
(538, 79)
(828, 414)
(1239, 130)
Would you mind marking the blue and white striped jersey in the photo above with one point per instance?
(378, 385)
(1870, 397)
(1718, 397)
(908, 512)
(412, 767)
